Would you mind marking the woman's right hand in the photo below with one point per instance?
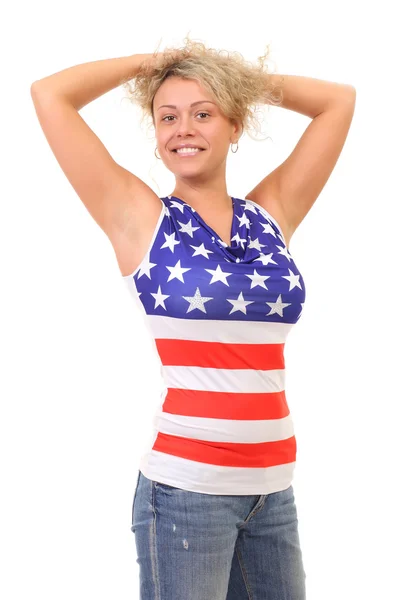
(150, 59)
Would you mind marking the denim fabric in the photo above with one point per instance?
(195, 546)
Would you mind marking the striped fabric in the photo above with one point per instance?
(219, 316)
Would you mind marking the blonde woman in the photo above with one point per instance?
(214, 512)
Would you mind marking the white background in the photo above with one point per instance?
(79, 383)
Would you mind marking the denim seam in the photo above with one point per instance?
(243, 570)
(153, 549)
(134, 497)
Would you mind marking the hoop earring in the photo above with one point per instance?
(155, 153)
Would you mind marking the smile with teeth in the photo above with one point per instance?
(187, 151)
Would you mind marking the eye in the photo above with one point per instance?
(168, 116)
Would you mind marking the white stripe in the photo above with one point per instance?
(227, 332)
(226, 430)
(224, 380)
(215, 479)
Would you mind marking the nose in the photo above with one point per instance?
(185, 126)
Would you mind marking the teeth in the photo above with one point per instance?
(188, 150)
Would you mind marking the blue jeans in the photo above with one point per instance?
(195, 546)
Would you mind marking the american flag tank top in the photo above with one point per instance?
(219, 316)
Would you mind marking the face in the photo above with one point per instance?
(202, 125)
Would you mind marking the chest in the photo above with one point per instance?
(221, 223)
(227, 267)
(223, 228)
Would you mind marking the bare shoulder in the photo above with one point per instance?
(139, 213)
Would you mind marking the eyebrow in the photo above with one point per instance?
(193, 104)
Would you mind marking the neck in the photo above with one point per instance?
(208, 199)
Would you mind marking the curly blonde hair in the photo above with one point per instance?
(237, 85)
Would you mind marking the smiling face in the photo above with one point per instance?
(201, 125)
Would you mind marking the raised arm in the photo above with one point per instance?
(113, 196)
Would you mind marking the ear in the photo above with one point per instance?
(237, 129)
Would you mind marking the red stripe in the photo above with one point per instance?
(226, 405)
(265, 454)
(218, 355)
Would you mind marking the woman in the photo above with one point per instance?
(214, 512)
